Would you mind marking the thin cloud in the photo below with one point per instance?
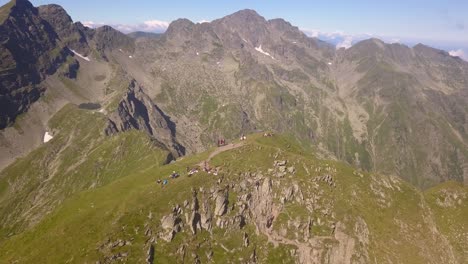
(339, 38)
(459, 53)
(346, 43)
(146, 26)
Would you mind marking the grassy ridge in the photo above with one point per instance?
(392, 211)
(79, 157)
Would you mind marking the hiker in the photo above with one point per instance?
(192, 171)
(174, 175)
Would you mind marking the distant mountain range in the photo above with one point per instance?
(109, 145)
(375, 105)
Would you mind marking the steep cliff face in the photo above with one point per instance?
(29, 50)
(73, 35)
(137, 111)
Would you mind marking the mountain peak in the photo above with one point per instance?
(246, 12)
(245, 15)
(179, 27)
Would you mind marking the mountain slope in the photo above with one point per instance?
(123, 112)
(29, 51)
(271, 202)
(375, 105)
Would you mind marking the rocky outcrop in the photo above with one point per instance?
(221, 203)
(171, 224)
(137, 111)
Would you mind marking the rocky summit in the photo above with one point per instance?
(239, 140)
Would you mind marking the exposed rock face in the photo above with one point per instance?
(106, 38)
(171, 225)
(29, 51)
(71, 34)
(137, 111)
(221, 203)
(83, 39)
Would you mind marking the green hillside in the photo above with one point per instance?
(255, 209)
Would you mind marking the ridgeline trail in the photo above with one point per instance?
(220, 150)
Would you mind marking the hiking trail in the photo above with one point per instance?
(220, 150)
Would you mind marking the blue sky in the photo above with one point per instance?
(440, 23)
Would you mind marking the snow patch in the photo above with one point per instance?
(259, 49)
(47, 137)
(244, 40)
(130, 56)
(121, 50)
(294, 42)
(198, 53)
(330, 63)
(79, 55)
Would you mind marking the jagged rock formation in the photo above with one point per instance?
(137, 111)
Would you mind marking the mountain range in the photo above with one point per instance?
(90, 118)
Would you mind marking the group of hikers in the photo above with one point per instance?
(206, 167)
(221, 142)
(190, 172)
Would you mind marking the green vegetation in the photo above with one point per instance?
(79, 157)
(378, 212)
(5, 11)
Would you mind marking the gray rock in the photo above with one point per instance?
(246, 240)
(150, 255)
(168, 221)
(137, 111)
(221, 203)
